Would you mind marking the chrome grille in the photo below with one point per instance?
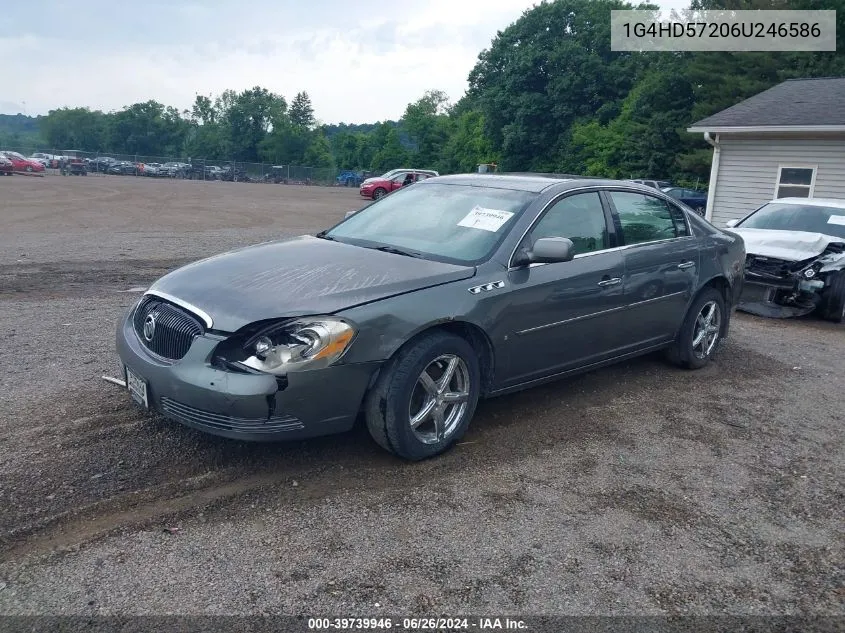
(174, 331)
(221, 422)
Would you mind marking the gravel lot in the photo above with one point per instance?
(639, 489)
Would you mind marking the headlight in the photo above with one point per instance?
(300, 345)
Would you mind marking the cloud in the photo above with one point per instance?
(358, 65)
(359, 62)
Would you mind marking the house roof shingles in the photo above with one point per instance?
(800, 103)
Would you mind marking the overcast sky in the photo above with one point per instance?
(359, 60)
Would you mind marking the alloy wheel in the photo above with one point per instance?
(439, 399)
(705, 332)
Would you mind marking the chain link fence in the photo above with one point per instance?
(186, 167)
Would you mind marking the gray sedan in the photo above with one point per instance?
(411, 309)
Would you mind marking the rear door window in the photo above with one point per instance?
(644, 218)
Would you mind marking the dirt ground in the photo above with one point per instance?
(639, 489)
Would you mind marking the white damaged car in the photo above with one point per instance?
(795, 261)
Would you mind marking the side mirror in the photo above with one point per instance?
(731, 223)
(549, 250)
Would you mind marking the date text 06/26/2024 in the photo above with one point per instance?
(737, 31)
(417, 624)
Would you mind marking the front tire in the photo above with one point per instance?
(425, 397)
(379, 193)
(701, 332)
(835, 307)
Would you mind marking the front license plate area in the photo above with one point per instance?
(137, 388)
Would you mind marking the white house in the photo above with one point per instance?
(788, 141)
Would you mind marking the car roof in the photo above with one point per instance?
(813, 202)
(531, 182)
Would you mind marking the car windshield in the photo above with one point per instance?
(454, 223)
(782, 216)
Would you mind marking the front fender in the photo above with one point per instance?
(384, 326)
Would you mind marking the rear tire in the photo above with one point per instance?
(425, 397)
(701, 332)
(835, 308)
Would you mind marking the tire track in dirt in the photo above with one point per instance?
(69, 279)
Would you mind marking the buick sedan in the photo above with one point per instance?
(410, 310)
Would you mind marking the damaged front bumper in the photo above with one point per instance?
(245, 406)
(779, 289)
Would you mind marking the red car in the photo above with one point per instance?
(380, 186)
(22, 163)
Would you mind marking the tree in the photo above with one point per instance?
(74, 128)
(390, 154)
(468, 146)
(319, 153)
(249, 117)
(550, 68)
(429, 127)
(204, 111)
(301, 112)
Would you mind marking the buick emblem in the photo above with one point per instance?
(150, 327)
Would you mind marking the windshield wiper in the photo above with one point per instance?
(324, 235)
(396, 251)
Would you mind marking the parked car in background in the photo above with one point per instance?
(395, 172)
(376, 188)
(152, 170)
(101, 164)
(199, 171)
(451, 290)
(350, 178)
(796, 258)
(695, 200)
(231, 173)
(7, 167)
(48, 160)
(654, 184)
(123, 168)
(174, 169)
(22, 163)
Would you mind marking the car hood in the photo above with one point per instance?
(793, 246)
(300, 276)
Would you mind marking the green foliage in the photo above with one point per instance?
(147, 128)
(390, 153)
(19, 129)
(319, 152)
(75, 128)
(301, 112)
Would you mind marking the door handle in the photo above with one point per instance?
(685, 265)
(610, 282)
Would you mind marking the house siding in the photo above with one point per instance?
(748, 171)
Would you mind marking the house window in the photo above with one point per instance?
(795, 182)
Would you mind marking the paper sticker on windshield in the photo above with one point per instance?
(836, 219)
(485, 219)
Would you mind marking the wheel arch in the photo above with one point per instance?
(723, 286)
(471, 333)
